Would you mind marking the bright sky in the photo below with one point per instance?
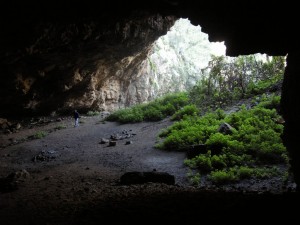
(218, 48)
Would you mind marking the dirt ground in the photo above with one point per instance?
(70, 177)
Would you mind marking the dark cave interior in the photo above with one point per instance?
(246, 27)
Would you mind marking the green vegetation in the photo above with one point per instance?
(236, 173)
(252, 148)
(40, 134)
(194, 177)
(187, 110)
(153, 111)
(233, 79)
(93, 113)
(254, 141)
(59, 127)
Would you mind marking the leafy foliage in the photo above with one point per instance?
(187, 110)
(254, 141)
(236, 173)
(40, 134)
(59, 127)
(152, 111)
(93, 113)
(191, 130)
(230, 79)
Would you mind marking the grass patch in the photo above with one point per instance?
(153, 111)
(40, 134)
(93, 113)
(60, 127)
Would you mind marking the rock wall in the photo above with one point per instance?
(80, 64)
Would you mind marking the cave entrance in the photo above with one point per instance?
(182, 57)
(242, 93)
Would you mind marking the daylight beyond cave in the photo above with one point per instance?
(179, 58)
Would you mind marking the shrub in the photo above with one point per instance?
(195, 178)
(130, 115)
(255, 141)
(40, 134)
(152, 111)
(218, 161)
(270, 102)
(245, 172)
(59, 127)
(216, 142)
(188, 110)
(202, 162)
(93, 113)
(222, 176)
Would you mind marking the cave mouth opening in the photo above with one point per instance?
(184, 60)
(182, 57)
(184, 204)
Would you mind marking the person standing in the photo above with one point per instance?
(76, 117)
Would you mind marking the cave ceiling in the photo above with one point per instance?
(54, 54)
(246, 26)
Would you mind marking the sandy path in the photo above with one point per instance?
(81, 169)
(77, 150)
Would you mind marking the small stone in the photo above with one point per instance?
(103, 141)
(112, 143)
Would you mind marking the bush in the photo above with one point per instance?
(255, 141)
(153, 114)
(40, 134)
(195, 178)
(152, 111)
(59, 127)
(223, 177)
(270, 102)
(238, 173)
(202, 162)
(188, 110)
(93, 113)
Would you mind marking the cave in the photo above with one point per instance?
(57, 55)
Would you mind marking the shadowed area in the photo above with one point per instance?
(57, 55)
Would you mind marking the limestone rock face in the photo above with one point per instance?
(82, 64)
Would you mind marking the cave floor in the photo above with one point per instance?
(69, 177)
